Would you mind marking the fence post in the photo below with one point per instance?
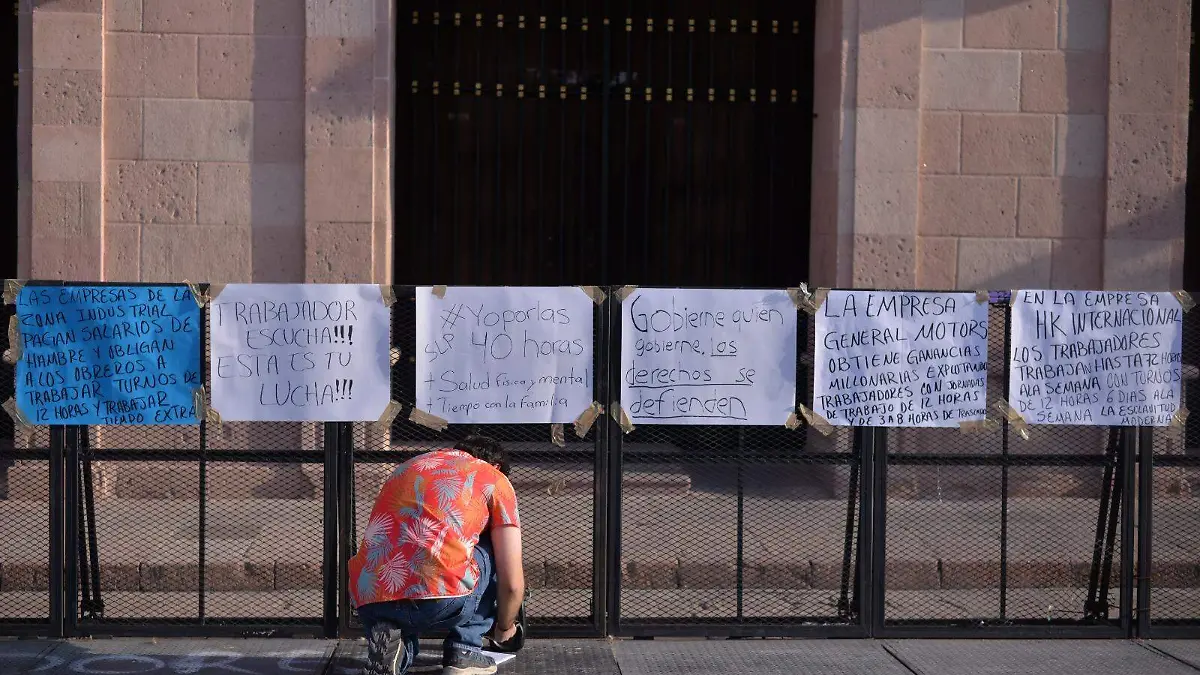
(1128, 477)
(71, 524)
(873, 455)
(1145, 532)
(614, 443)
(600, 477)
(331, 575)
(58, 529)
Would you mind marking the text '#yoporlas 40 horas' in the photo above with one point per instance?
(313, 337)
(104, 353)
(701, 363)
(491, 331)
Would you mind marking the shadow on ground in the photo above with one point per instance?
(621, 657)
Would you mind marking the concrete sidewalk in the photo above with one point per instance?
(621, 657)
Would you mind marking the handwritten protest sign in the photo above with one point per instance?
(901, 359)
(721, 357)
(505, 355)
(1096, 357)
(300, 352)
(116, 355)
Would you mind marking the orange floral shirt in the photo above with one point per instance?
(421, 537)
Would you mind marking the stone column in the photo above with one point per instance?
(63, 177)
(1147, 143)
(886, 133)
(347, 161)
(865, 141)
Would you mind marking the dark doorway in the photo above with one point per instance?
(603, 142)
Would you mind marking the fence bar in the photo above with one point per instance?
(342, 446)
(864, 600)
(202, 571)
(203, 523)
(331, 575)
(602, 543)
(741, 524)
(1004, 441)
(615, 443)
(58, 581)
(68, 440)
(874, 452)
(1145, 532)
(1128, 477)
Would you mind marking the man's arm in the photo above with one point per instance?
(510, 577)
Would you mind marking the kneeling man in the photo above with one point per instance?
(441, 552)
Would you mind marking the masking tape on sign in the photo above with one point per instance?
(387, 294)
(14, 351)
(973, 426)
(587, 418)
(198, 295)
(418, 416)
(622, 419)
(1180, 417)
(389, 414)
(204, 412)
(22, 429)
(809, 301)
(595, 293)
(1015, 421)
(12, 290)
(815, 421)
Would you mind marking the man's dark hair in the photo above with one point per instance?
(486, 449)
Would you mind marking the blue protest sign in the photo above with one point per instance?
(120, 355)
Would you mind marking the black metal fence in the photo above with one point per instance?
(245, 528)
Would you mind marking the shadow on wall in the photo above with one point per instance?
(1148, 221)
(276, 180)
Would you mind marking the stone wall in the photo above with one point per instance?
(997, 143)
(958, 143)
(215, 140)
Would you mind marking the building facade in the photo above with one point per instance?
(954, 143)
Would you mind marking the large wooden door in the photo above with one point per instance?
(598, 142)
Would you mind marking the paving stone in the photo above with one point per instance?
(754, 657)
(1032, 657)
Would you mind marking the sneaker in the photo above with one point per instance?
(385, 648)
(459, 661)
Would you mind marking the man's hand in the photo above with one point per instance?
(501, 636)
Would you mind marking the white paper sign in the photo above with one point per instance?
(720, 357)
(1096, 357)
(300, 353)
(901, 359)
(489, 355)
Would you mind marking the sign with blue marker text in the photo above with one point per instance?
(505, 355)
(300, 352)
(708, 357)
(116, 355)
(901, 359)
(1096, 358)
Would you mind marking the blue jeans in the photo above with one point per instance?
(466, 619)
